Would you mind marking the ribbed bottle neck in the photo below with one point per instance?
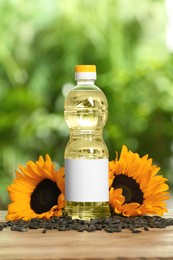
(85, 82)
(86, 133)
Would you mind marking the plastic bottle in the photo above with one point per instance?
(86, 155)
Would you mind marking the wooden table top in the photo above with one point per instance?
(152, 244)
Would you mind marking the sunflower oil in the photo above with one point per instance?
(86, 154)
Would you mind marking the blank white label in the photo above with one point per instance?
(86, 180)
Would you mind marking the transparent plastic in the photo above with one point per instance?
(86, 115)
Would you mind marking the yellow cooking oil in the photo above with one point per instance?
(86, 154)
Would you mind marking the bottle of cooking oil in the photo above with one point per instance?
(86, 155)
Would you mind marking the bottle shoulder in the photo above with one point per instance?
(86, 87)
(86, 96)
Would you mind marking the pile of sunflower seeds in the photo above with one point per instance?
(112, 224)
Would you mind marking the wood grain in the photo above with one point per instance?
(153, 244)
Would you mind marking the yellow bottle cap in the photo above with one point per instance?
(85, 72)
(85, 68)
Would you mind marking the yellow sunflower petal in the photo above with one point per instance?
(141, 187)
(116, 198)
(27, 180)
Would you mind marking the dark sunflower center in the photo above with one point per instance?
(45, 196)
(130, 188)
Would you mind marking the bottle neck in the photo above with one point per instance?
(85, 82)
(77, 134)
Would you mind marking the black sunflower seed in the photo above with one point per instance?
(91, 228)
(18, 228)
(34, 226)
(146, 228)
(99, 226)
(44, 231)
(1, 227)
(112, 224)
(108, 229)
(136, 231)
(63, 228)
(80, 229)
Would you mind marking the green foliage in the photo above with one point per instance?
(42, 41)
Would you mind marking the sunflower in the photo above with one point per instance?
(37, 191)
(135, 189)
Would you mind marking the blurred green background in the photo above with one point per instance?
(41, 42)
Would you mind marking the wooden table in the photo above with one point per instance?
(153, 244)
